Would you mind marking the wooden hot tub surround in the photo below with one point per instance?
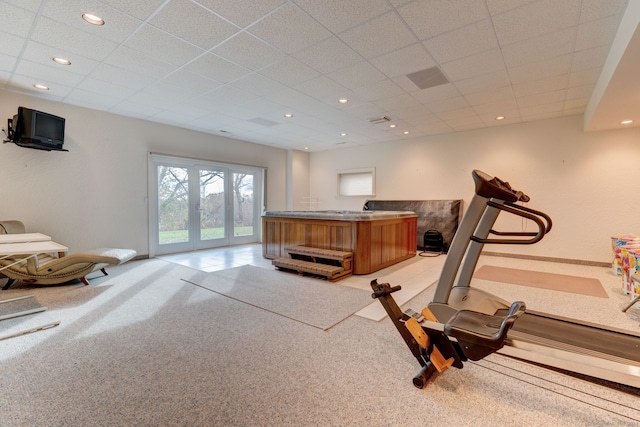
(377, 239)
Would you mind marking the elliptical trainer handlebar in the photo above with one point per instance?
(494, 187)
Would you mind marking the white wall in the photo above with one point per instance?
(586, 182)
(96, 194)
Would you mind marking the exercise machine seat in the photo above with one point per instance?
(482, 334)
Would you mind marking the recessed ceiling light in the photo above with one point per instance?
(288, 115)
(392, 126)
(343, 100)
(61, 61)
(500, 118)
(406, 132)
(92, 19)
(306, 148)
(343, 134)
(41, 87)
(626, 122)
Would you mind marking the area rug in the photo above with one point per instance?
(315, 302)
(556, 282)
(19, 306)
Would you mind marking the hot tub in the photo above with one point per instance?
(377, 239)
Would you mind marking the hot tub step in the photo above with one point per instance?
(331, 272)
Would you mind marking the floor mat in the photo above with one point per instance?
(537, 279)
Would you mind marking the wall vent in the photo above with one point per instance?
(427, 78)
(378, 120)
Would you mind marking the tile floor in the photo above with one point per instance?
(221, 258)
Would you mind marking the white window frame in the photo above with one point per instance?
(357, 182)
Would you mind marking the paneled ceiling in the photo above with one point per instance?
(237, 67)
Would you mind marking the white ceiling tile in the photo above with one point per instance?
(432, 17)
(542, 111)
(290, 71)
(381, 90)
(24, 84)
(242, 12)
(504, 109)
(11, 44)
(535, 19)
(584, 77)
(483, 82)
(165, 75)
(91, 99)
(321, 88)
(548, 84)
(404, 61)
(43, 54)
(445, 107)
(118, 26)
(193, 23)
(191, 81)
(597, 33)
(379, 36)
(258, 85)
(399, 102)
(53, 33)
(589, 58)
(140, 9)
(503, 95)
(461, 123)
(540, 70)
(16, 20)
(539, 48)
(576, 104)
(474, 65)
(6, 63)
(118, 76)
(32, 5)
(290, 97)
(542, 98)
(579, 92)
(135, 61)
(500, 6)
(328, 55)
(465, 41)
(134, 109)
(289, 29)
(216, 68)
(99, 88)
(44, 73)
(437, 93)
(596, 9)
(357, 75)
(248, 51)
(229, 94)
(340, 15)
(510, 117)
(163, 46)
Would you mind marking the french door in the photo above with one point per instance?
(199, 205)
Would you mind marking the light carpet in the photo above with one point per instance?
(536, 279)
(141, 347)
(314, 302)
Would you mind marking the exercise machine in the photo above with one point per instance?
(470, 323)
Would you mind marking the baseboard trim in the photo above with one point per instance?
(549, 259)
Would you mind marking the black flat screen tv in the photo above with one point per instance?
(35, 129)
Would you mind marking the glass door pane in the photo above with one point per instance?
(173, 205)
(212, 205)
(243, 204)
